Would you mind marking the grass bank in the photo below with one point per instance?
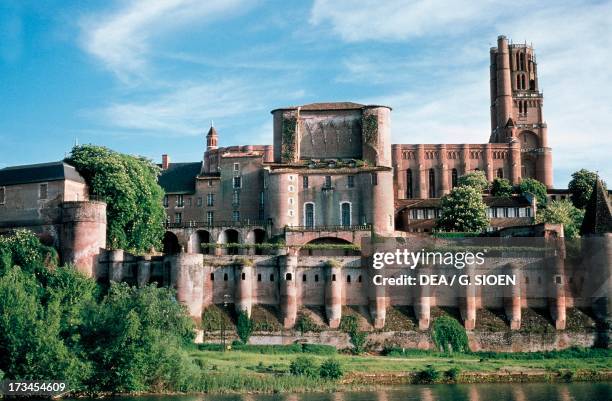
(266, 369)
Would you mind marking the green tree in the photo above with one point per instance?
(449, 335)
(76, 294)
(129, 185)
(30, 341)
(563, 212)
(501, 187)
(581, 187)
(134, 337)
(475, 179)
(244, 327)
(350, 325)
(463, 210)
(534, 187)
(22, 248)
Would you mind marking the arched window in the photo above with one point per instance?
(309, 214)
(345, 214)
(225, 277)
(409, 193)
(500, 173)
(303, 277)
(454, 177)
(432, 183)
(316, 278)
(359, 279)
(333, 277)
(348, 279)
(288, 276)
(243, 276)
(518, 82)
(523, 86)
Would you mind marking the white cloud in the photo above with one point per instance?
(572, 42)
(399, 19)
(183, 111)
(122, 40)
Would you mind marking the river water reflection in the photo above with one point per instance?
(459, 392)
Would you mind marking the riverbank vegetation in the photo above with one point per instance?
(57, 324)
(273, 370)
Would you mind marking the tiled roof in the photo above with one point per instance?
(43, 172)
(490, 201)
(179, 178)
(506, 201)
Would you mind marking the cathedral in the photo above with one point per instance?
(283, 225)
(333, 165)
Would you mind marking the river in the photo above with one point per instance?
(460, 392)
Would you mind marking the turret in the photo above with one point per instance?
(212, 138)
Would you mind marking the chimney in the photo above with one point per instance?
(165, 161)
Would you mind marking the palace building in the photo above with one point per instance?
(281, 224)
(332, 165)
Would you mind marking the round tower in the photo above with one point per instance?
(212, 138)
(83, 234)
(283, 200)
(333, 295)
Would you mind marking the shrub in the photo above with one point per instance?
(245, 262)
(449, 335)
(568, 376)
(331, 263)
(305, 324)
(349, 325)
(318, 349)
(244, 327)
(331, 369)
(428, 375)
(453, 374)
(214, 318)
(303, 366)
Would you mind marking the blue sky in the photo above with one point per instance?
(148, 76)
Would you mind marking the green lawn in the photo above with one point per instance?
(256, 362)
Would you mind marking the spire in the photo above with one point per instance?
(211, 138)
(598, 214)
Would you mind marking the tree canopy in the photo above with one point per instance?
(563, 212)
(534, 187)
(581, 187)
(475, 179)
(128, 184)
(63, 325)
(501, 187)
(463, 210)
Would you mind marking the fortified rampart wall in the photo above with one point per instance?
(290, 282)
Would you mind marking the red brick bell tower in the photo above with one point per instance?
(516, 109)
